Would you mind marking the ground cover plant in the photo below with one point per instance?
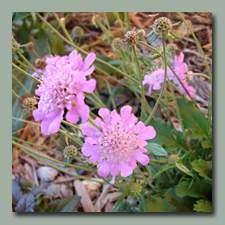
(108, 113)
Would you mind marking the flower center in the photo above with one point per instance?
(117, 144)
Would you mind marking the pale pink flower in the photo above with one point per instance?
(119, 144)
(63, 85)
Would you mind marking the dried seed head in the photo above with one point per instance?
(30, 46)
(70, 151)
(28, 102)
(63, 21)
(141, 33)
(94, 21)
(162, 25)
(135, 188)
(173, 159)
(40, 64)
(131, 38)
(78, 32)
(171, 47)
(117, 43)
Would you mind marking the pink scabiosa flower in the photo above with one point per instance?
(180, 67)
(154, 80)
(63, 85)
(119, 143)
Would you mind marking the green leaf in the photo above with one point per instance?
(19, 16)
(67, 204)
(203, 206)
(184, 204)
(203, 168)
(193, 118)
(157, 204)
(184, 169)
(57, 45)
(176, 34)
(144, 204)
(164, 134)
(156, 149)
(199, 189)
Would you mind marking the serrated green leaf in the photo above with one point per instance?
(193, 118)
(164, 134)
(67, 204)
(203, 168)
(203, 206)
(157, 204)
(184, 169)
(184, 204)
(156, 149)
(199, 189)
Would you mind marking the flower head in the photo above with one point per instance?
(154, 80)
(131, 38)
(63, 83)
(119, 144)
(162, 25)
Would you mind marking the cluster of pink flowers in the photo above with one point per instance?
(63, 85)
(119, 143)
(155, 79)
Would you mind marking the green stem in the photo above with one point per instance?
(162, 88)
(198, 44)
(158, 161)
(200, 74)
(71, 138)
(18, 68)
(70, 124)
(142, 87)
(149, 183)
(94, 124)
(20, 83)
(16, 95)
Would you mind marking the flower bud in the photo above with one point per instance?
(135, 188)
(30, 46)
(40, 64)
(94, 21)
(70, 151)
(117, 43)
(162, 25)
(63, 21)
(131, 38)
(173, 159)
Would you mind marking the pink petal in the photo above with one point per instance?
(113, 180)
(133, 162)
(72, 115)
(38, 115)
(105, 114)
(139, 127)
(55, 124)
(126, 170)
(88, 61)
(157, 86)
(125, 112)
(143, 159)
(88, 131)
(181, 57)
(91, 140)
(141, 143)
(87, 149)
(83, 111)
(114, 170)
(103, 169)
(148, 133)
(89, 71)
(44, 127)
(80, 98)
(89, 86)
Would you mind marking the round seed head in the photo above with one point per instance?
(15, 45)
(117, 43)
(94, 21)
(162, 25)
(28, 103)
(70, 151)
(131, 38)
(173, 159)
(78, 31)
(40, 64)
(135, 188)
